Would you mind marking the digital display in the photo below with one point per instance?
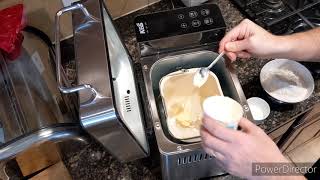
(179, 21)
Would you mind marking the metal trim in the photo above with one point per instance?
(54, 134)
(89, 19)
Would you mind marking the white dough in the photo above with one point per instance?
(182, 133)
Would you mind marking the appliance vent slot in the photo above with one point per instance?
(193, 158)
(127, 103)
(185, 160)
(205, 156)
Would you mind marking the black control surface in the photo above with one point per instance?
(178, 21)
(282, 16)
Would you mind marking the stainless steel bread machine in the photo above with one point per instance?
(111, 108)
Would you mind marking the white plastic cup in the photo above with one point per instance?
(223, 109)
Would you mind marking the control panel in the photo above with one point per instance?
(180, 21)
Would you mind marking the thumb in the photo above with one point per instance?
(237, 46)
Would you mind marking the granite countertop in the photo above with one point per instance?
(93, 162)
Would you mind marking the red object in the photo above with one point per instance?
(11, 23)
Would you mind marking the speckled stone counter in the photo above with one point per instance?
(93, 162)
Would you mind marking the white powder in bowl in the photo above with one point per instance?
(285, 85)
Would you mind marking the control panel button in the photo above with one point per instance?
(193, 14)
(184, 25)
(196, 23)
(181, 16)
(205, 12)
(208, 21)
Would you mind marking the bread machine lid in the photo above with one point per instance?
(99, 108)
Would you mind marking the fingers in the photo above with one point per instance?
(243, 54)
(219, 131)
(208, 150)
(216, 155)
(232, 56)
(230, 36)
(237, 46)
(236, 41)
(246, 125)
(237, 33)
(212, 142)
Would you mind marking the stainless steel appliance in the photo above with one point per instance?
(32, 110)
(110, 108)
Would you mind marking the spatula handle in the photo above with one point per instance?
(216, 60)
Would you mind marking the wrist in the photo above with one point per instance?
(282, 46)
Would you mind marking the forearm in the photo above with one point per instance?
(300, 46)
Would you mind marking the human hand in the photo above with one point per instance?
(235, 150)
(248, 39)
